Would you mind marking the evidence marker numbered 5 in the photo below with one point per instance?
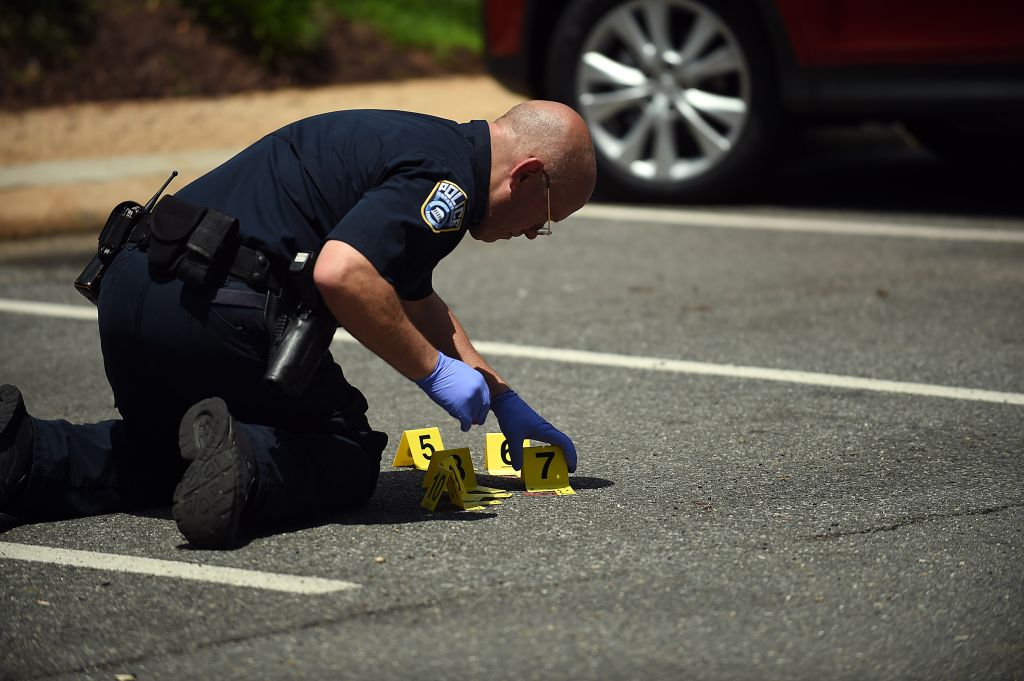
(450, 472)
(417, 447)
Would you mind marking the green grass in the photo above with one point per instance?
(439, 26)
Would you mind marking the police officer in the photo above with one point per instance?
(383, 196)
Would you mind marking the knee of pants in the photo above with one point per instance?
(360, 482)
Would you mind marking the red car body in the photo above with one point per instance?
(880, 56)
(952, 71)
(904, 32)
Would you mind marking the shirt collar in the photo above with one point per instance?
(478, 140)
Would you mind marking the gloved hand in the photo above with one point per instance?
(459, 389)
(519, 422)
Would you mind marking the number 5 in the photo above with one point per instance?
(426, 447)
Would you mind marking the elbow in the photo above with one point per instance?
(341, 271)
(327, 276)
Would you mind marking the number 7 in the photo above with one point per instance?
(550, 456)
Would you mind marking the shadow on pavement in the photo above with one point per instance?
(883, 169)
(396, 502)
(9, 522)
(878, 169)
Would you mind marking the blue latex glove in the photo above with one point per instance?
(519, 422)
(459, 389)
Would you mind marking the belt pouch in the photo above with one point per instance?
(208, 248)
(174, 220)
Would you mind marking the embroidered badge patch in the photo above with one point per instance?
(445, 207)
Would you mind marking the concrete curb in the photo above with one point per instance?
(52, 197)
(91, 170)
(63, 169)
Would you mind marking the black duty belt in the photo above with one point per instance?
(237, 260)
(240, 298)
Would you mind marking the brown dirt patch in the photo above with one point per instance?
(155, 50)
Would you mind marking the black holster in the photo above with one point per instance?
(302, 329)
(201, 247)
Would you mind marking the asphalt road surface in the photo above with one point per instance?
(800, 448)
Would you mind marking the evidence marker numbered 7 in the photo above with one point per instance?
(545, 470)
(450, 472)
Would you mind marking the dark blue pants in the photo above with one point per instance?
(165, 347)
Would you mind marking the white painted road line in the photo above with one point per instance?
(605, 359)
(793, 223)
(757, 373)
(57, 310)
(196, 572)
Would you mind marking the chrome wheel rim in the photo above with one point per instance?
(664, 88)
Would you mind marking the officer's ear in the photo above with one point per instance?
(523, 170)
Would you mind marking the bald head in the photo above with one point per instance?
(556, 135)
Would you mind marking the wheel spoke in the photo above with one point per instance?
(723, 60)
(633, 143)
(628, 28)
(665, 148)
(663, 103)
(710, 142)
(656, 15)
(598, 68)
(729, 110)
(600, 106)
(701, 33)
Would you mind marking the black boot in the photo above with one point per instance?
(15, 445)
(211, 496)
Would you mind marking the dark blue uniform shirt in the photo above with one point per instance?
(401, 188)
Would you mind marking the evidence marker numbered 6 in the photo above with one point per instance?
(497, 458)
(450, 472)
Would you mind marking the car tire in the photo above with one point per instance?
(688, 155)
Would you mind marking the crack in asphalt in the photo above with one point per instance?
(914, 520)
(190, 647)
(193, 646)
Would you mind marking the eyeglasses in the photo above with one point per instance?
(546, 231)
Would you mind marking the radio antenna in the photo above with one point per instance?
(152, 201)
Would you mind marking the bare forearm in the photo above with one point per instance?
(468, 354)
(439, 325)
(367, 307)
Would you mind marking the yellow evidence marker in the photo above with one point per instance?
(462, 463)
(444, 481)
(416, 448)
(497, 457)
(444, 478)
(545, 470)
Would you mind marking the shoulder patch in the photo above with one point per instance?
(445, 207)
